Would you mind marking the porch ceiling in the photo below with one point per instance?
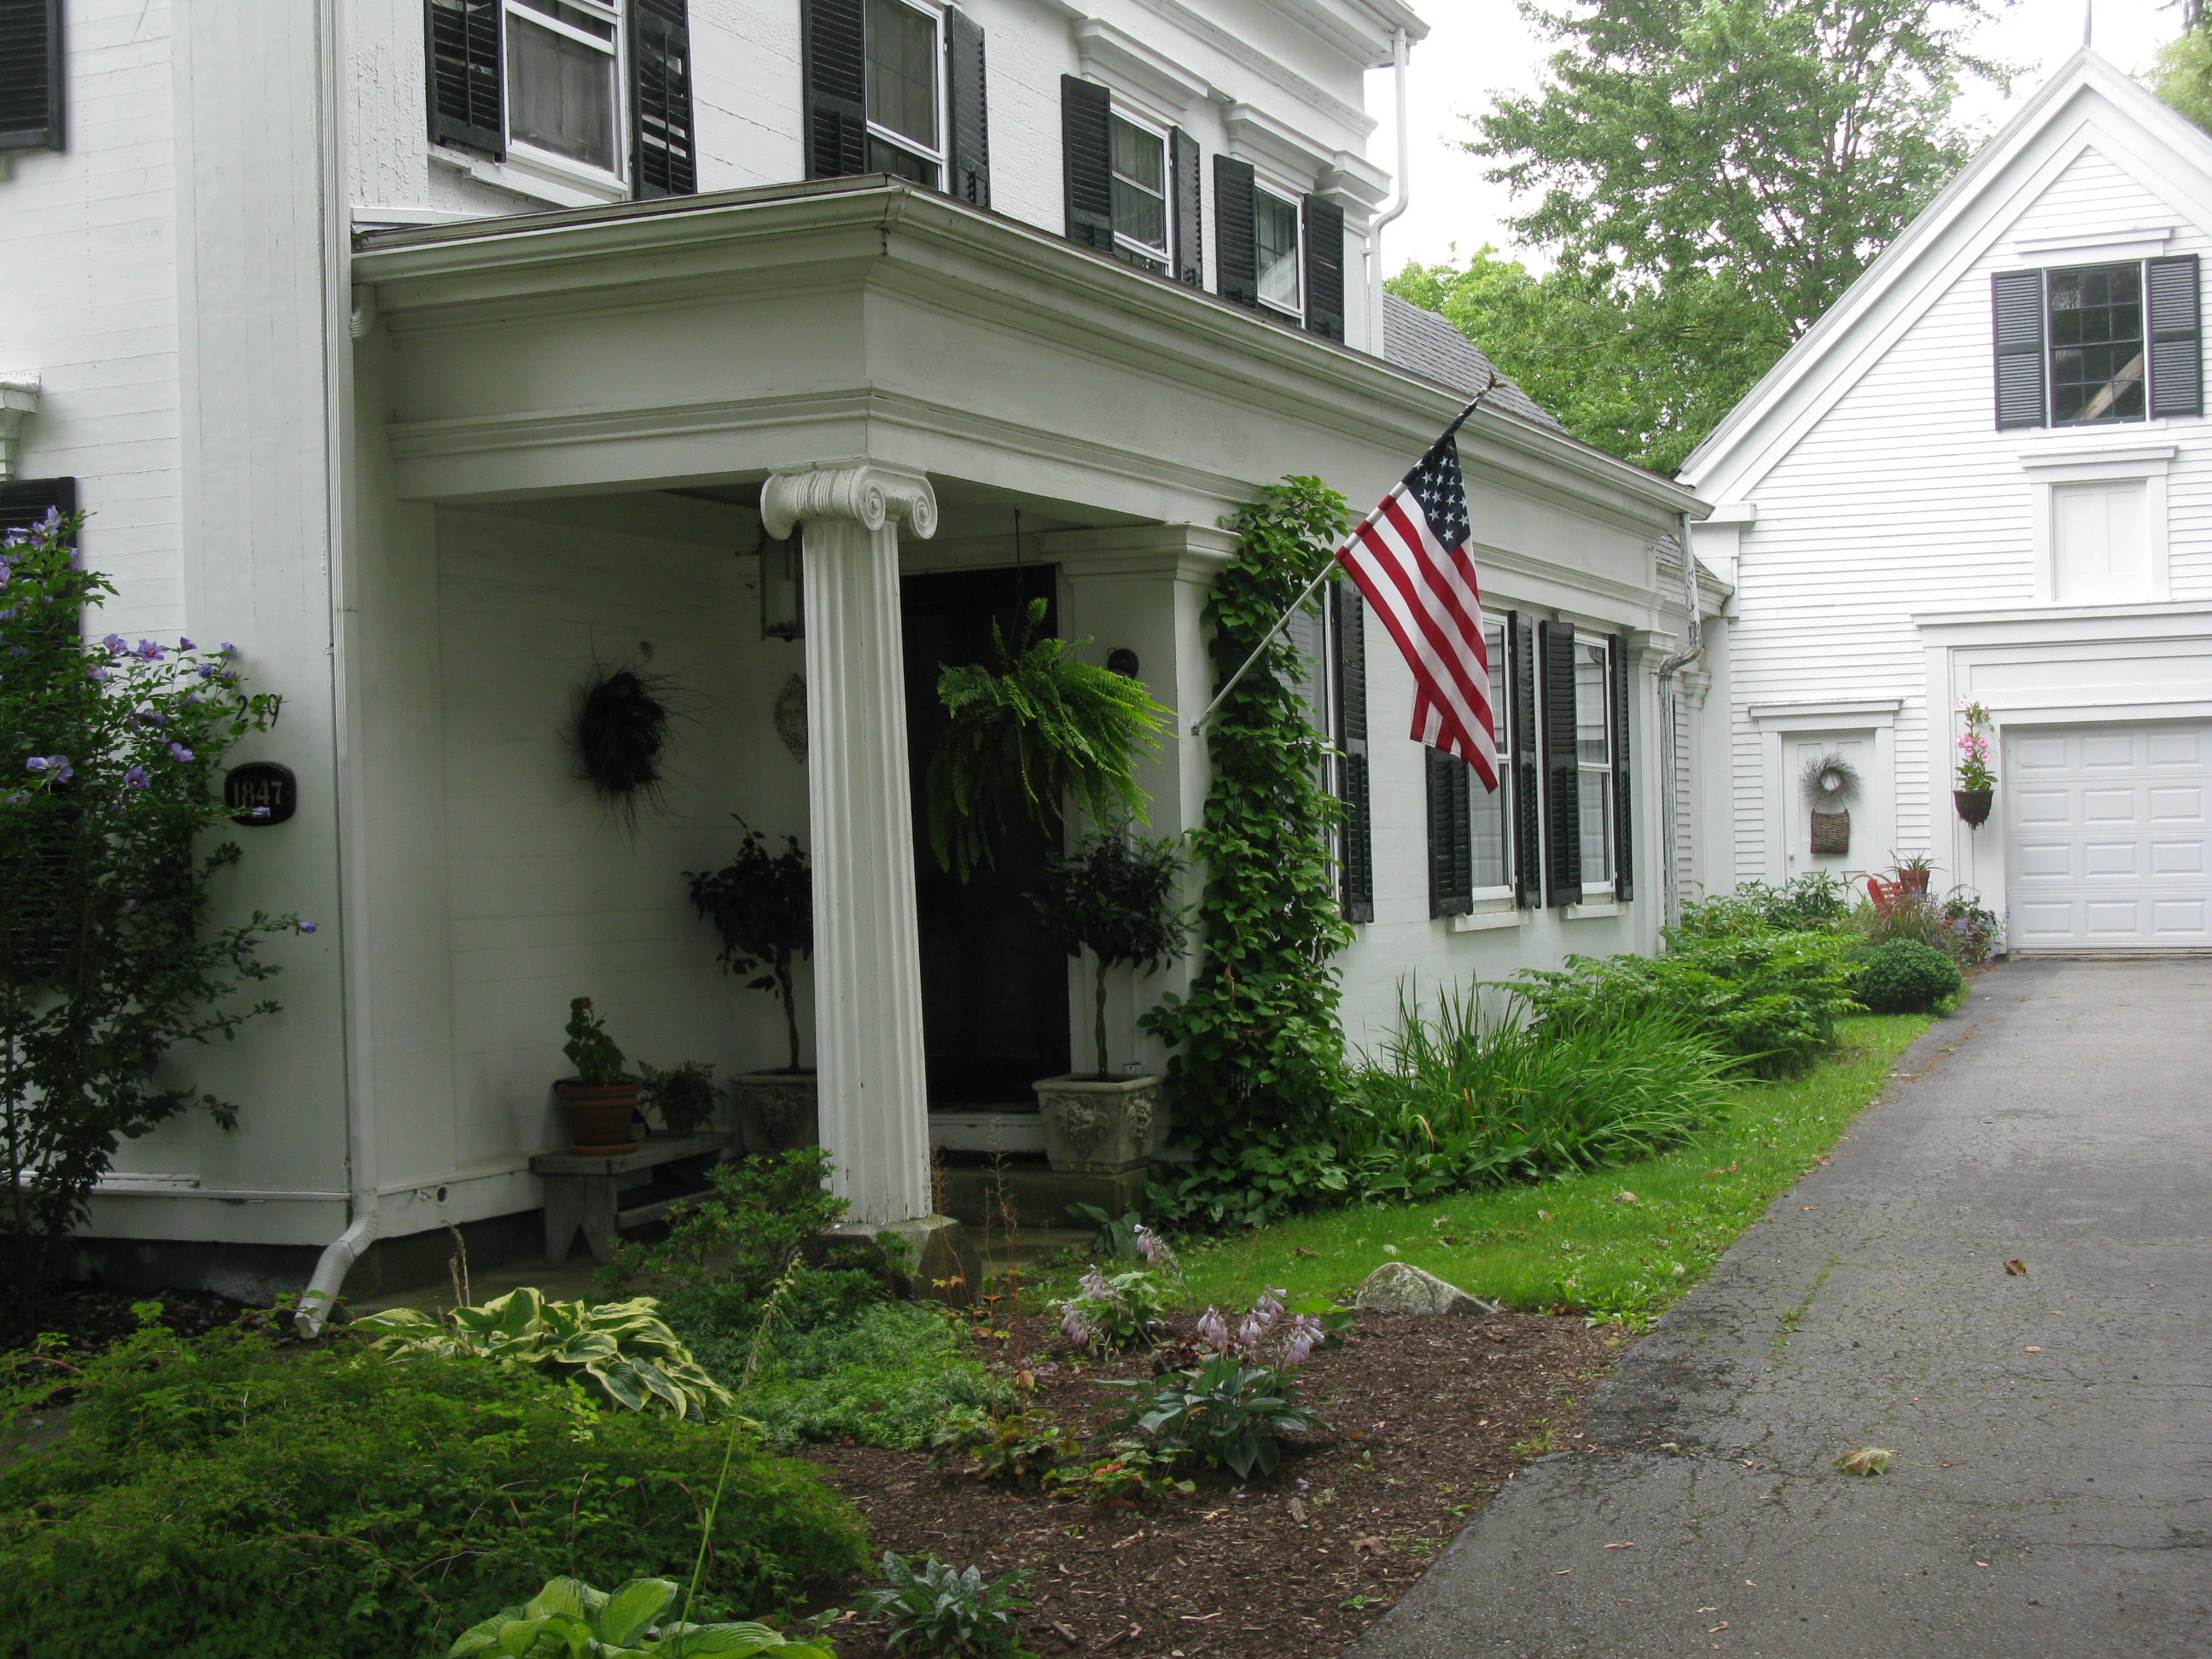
(706, 340)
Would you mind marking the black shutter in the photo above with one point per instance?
(1189, 222)
(1324, 229)
(1086, 159)
(465, 74)
(2177, 343)
(662, 142)
(1451, 834)
(967, 109)
(1624, 821)
(2016, 310)
(1357, 872)
(1236, 246)
(1563, 797)
(30, 75)
(833, 40)
(1528, 769)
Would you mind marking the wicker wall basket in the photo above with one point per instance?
(1831, 833)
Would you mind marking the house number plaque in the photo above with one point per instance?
(260, 792)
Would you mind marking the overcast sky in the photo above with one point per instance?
(1478, 47)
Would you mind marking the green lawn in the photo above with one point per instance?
(1577, 1241)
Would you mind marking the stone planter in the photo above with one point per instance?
(779, 1111)
(600, 1116)
(1098, 1126)
(1974, 806)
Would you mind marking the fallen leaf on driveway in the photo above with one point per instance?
(2031, 1350)
(1620, 1547)
(1867, 1460)
(2016, 1268)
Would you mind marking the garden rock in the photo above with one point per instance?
(1401, 1287)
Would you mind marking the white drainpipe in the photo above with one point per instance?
(1668, 667)
(1377, 344)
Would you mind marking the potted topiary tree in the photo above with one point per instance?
(601, 1099)
(1112, 894)
(762, 904)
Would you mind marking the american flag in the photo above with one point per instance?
(1409, 557)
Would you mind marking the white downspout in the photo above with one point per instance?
(1668, 667)
(1377, 345)
(340, 317)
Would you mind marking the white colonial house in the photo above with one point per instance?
(1986, 474)
(445, 353)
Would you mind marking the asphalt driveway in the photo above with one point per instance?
(2051, 1490)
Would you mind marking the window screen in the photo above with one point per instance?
(1493, 809)
(1140, 189)
(2096, 344)
(560, 80)
(902, 48)
(1593, 760)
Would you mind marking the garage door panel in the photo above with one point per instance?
(2108, 836)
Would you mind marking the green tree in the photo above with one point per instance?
(2183, 74)
(1708, 176)
(1643, 374)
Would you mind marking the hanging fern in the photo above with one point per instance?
(1037, 727)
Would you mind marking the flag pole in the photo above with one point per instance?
(1319, 576)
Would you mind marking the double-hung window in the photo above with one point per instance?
(1140, 192)
(563, 81)
(904, 65)
(2084, 345)
(1493, 810)
(585, 99)
(1275, 252)
(1593, 763)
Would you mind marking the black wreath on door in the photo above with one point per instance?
(621, 731)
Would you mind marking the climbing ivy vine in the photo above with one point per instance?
(1258, 1066)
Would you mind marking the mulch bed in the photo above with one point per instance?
(1430, 1418)
(93, 1315)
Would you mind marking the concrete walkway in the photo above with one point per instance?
(2051, 1493)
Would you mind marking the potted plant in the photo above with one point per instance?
(1112, 894)
(681, 1097)
(762, 904)
(1977, 783)
(600, 1099)
(1040, 725)
(1913, 873)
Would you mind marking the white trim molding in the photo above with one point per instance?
(19, 402)
(2065, 461)
(2093, 247)
(1129, 68)
(1821, 714)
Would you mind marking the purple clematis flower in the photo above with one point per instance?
(183, 644)
(136, 778)
(37, 763)
(306, 927)
(179, 753)
(97, 673)
(116, 646)
(227, 649)
(207, 670)
(148, 650)
(259, 812)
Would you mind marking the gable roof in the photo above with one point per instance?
(2088, 103)
(1428, 344)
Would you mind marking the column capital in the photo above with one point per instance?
(869, 493)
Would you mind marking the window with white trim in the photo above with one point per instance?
(905, 96)
(1140, 192)
(1594, 741)
(564, 81)
(1492, 810)
(1276, 252)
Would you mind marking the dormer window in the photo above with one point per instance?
(2089, 344)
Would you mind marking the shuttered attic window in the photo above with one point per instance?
(30, 75)
(2090, 345)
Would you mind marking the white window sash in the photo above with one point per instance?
(552, 161)
(935, 155)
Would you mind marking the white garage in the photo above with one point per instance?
(2105, 833)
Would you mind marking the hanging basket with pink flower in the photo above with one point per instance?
(1977, 785)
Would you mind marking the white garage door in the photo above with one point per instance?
(2106, 829)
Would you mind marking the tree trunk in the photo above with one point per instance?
(790, 1010)
(1099, 1030)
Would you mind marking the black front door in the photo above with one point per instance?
(994, 990)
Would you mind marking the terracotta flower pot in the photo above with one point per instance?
(1915, 881)
(599, 1116)
(1974, 806)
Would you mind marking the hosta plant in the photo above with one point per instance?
(569, 1620)
(1114, 1312)
(1229, 1411)
(937, 1612)
(622, 1349)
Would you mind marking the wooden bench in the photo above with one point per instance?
(586, 1190)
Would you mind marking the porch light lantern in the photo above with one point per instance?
(782, 590)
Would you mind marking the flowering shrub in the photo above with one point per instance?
(108, 754)
(1113, 1313)
(1974, 748)
(1229, 1408)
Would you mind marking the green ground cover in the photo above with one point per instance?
(1595, 1252)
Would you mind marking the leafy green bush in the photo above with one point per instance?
(1020, 1449)
(621, 1349)
(1458, 1100)
(1107, 1313)
(887, 1378)
(569, 1620)
(216, 1498)
(1770, 1000)
(1228, 1411)
(1907, 977)
(938, 1611)
(1806, 903)
(1957, 925)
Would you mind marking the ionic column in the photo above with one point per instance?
(867, 977)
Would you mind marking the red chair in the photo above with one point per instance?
(1884, 894)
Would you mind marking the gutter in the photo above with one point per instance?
(1400, 195)
(1671, 739)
